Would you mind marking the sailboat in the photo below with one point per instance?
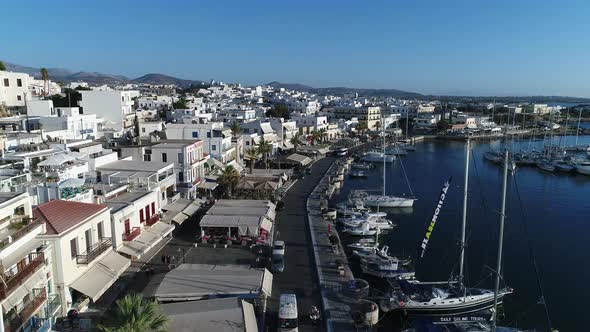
(383, 200)
(416, 298)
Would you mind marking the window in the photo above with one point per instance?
(19, 98)
(88, 234)
(74, 248)
(147, 157)
(164, 157)
(195, 134)
(180, 177)
(213, 147)
(143, 130)
(208, 134)
(19, 82)
(180, 159)
(6, 83)
(147, 212)
(141, 219)
(153, 208)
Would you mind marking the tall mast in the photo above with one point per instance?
(464, 223)
(578, 130)
(500, 240)
(383, 152)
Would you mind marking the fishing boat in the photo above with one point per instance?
(357, 173)
(546, 165)
(362, 230)
(362, 166)
(376, 157)
(583, 167)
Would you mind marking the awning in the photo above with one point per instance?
(299, 159)
(191, 209)
(179, 218)
(236, 166)
(266, 225)
(133, 249)
(21, 291)
(267, 282)
(207, 185)
(288, 145)
(20, 253)
(101, 276)
(161, 229)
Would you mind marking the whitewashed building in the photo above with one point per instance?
(116, 108)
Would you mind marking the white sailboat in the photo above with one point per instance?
(386, 201)
(362, 230)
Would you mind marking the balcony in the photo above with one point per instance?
(15, 321)
(17, 229)
(12, 281)
(95, 250)
(53, 304)
(133, 233)
(152, 220)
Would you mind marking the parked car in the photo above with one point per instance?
(278, 264)
(278, 248)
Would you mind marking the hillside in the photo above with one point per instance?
(339, 91)
(162, 79)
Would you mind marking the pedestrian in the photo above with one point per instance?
(173, 261)
(329, 228)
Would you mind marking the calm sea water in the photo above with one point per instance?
(555, 207)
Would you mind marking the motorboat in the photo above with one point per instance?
(377, 157)
(564, 166)
(362, 230)
(493, 157)
(362, 166)
(380, 223)
(545, 165)
(386, 267)
(415, 298)
(386, 201)
(583, 167)
(364, 245)
(395, 151)
(357, 173)
(379, 254)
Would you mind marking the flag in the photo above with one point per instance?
(438, 207)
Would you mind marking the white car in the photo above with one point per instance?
(278, 248)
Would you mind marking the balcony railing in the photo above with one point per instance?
(152, 220)
(24, 226)
(94, 251)
(15, 322)
(53, 304)
(133, 233)
(12, 281)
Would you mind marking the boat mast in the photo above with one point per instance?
(578, 130)
(464, 221)
(383, 152)
(500, 240)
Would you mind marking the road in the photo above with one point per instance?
(299, 276)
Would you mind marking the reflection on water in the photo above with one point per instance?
(556, 209)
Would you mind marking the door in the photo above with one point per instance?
(88, 240)
(128, 226)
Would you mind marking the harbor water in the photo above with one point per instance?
(555, 208)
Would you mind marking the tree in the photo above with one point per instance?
(278, 111)
(236, 131)
(315, 137)
(180, 104)
(361, 127)
(229, 179)
(252, 155)
(68, 98)
(45, 78)
(2, 66)
(264, 148)
(296, 140)
(443, 124)
(134, 314)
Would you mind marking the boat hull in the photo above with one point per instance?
(406, 202)
(430, 311)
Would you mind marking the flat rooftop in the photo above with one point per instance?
(135, 165)
(5, 197)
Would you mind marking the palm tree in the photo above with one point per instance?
(296, 140)
(264, 148)
(252, 154)
(134, 314)
(229, 179)
(45, 78)
(315, 136)
(361, 127)
(236, 131)
(2, 66)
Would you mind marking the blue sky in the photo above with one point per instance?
(434, 47)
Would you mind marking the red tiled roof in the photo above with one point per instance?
(60, 216)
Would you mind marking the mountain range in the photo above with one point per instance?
(339, 91)
(65, 76)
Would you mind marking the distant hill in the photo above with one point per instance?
(339, 91)
(162, 79)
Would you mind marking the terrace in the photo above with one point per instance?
(94, 251)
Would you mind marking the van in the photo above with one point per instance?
(288, 317)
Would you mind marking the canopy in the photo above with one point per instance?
(236, 166)
(101, 276)
(21, 291)
(267, 185)
(192, 208)
(207, 185)
(245, 184)
(246, 225)
(179, 218)
(299, 159)
(161, 229)
(16, 256)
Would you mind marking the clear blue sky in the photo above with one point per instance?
(437, 47)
